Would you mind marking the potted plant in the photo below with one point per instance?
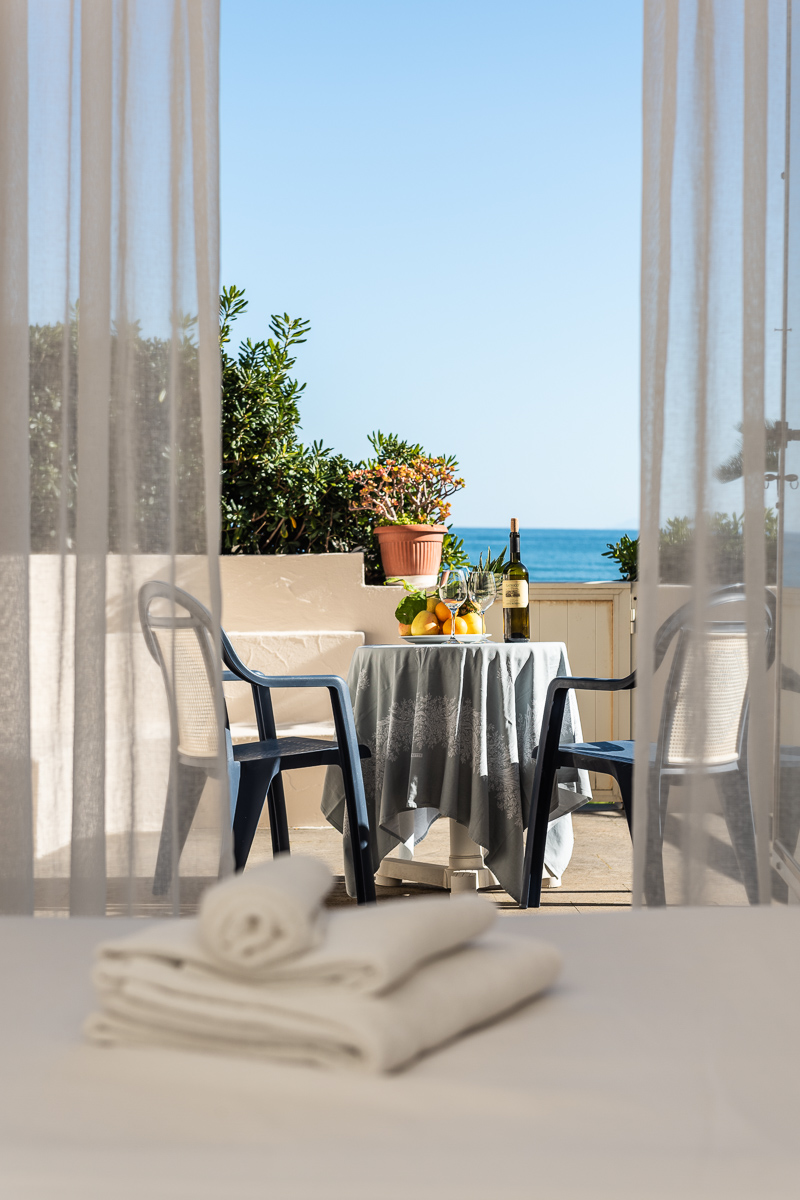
(408, 500)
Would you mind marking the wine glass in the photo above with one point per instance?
(483, 590)
(453, 591)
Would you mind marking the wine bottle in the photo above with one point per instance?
(516, 614)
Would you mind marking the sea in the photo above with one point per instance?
(552, 555)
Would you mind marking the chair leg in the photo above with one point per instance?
(658, 797)
(624, 778)
(544, 778)
(356, 828)
(183, 796)
(359, 842)
(738, 810)
(255, 782)
(536, 841)
(278, 821)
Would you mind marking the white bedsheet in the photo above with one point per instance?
(662, 1066)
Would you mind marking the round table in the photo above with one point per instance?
(452, 732)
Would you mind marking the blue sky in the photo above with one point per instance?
(450, 192)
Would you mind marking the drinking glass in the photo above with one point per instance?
(483, 590)
(453, 591)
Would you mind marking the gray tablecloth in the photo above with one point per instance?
(452, 731)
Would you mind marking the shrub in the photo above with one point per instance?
(148, 440)
(676, 549)
(725, 543)
(625, 552)
(280, 496)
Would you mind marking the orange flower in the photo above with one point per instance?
(415, 492)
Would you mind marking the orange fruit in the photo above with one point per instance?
(461, 626)
(473, 623)
(403, 630)
(442, 612)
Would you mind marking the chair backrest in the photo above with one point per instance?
(725, 672)
(179, 633)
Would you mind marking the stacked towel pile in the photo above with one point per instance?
(265, 970)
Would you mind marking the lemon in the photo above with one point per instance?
(473, 622)
(461, 626)
(442, 612)
(424, 623)
(431, 603)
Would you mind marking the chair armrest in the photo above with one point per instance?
(258, 679)
(340, 693)
(581, 683)
(556, 700)
(237, 672)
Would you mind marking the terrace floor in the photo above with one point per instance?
(598, 878)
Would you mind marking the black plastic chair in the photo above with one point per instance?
(672, 758)
(180, 637)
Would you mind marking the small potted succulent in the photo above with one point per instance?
(409, 501)
(493, 566)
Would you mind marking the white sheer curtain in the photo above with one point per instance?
(786, 823)
(109, 433)
(714, 515)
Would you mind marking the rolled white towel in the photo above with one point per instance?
(364, 950)
(266, 914)
(177, 1005)
(370, 949)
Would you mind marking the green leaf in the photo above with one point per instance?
(409, 606)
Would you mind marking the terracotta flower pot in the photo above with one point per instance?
(411, 550)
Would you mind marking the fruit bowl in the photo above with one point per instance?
(425, 619)
(439, 639)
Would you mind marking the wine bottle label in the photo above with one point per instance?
(515, 593)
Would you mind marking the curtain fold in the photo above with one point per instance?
(16, 830)
(110, 436)
(715, 186)
(786, 824)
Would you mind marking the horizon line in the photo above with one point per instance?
(559, 528)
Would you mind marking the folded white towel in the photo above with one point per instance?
(266, 914)
(176, 1004)
(365, 950)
